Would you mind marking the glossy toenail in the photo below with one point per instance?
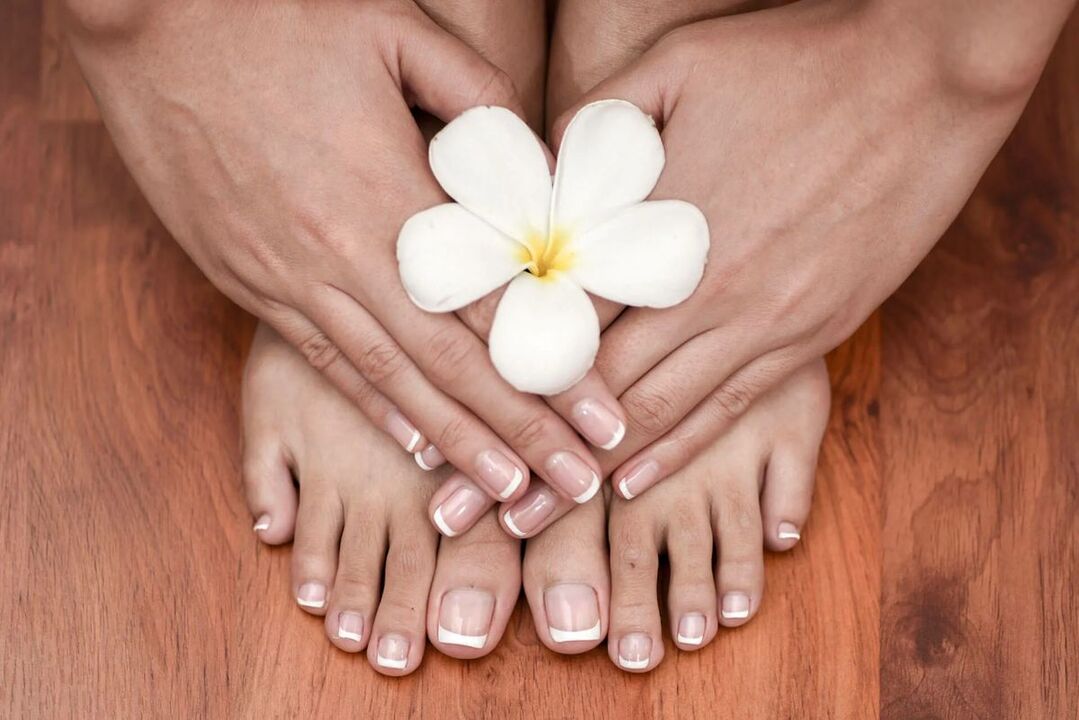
(500, 475)
(401, 430)
(635, 651)
(597, 423)
(691, 629)
(392, 652)
(572, 612)
(530, 512)
(639, 479)
(429, 458)
(263, 523)
(464, 617)
(788, 531)
(311, 595)
(572, 476)
(350, 626)
(459, 510)
(735, 606)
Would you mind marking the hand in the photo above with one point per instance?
(276, 143)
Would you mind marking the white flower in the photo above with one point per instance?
(591, 230)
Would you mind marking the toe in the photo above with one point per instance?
(634, 642)
(397, 636)
(691, 597)
(351, 611)
(314, 550)
(271, 496)
(740, 573)
(787, 495)
(477, 580)
(566, 580)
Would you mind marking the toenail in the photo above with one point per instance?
(735, 606)
(459, 510)
(635, 651)
(788, 531)
(691, 629)
(464, 617)
(392, 652)
(401, 430)
(350, 626)
(498, 473)
(530, 512)
(312, 595)
(263, 523)
(639, 479)
(572, 476)
(429, 458)
(572, 612)
(597, 423)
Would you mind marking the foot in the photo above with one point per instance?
(360, 517)
(752, 489)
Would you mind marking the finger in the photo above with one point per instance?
(540, 507)
(457, 505)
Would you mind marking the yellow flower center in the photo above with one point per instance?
(543, 254)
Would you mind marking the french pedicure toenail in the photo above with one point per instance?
(311, 595)
(572, 613)
(639, 479)
(350, 626)
(499, 474)
(529, 513)
(691, 629)
(404, 432)
(263, 523)
(392, 652)
(459, 510)
(464, 617)
(635, 651)
(573, 476)
(601, 426)
(788, 531)
(429, 458)
(735, 606)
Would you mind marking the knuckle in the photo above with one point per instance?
(497, 89)
(739, 514)
(633, 555)
(649, 412)
(380, 361)
(323, 232)
(408, 559)
(451, 435)
(448, 355)
(353, 582)
(732, 399)
(319, 351)
(530, 431)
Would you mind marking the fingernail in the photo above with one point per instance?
(459, 510)
(601, 426)
(429, 458)
(691, 629)
(350, 626)
(572, 612)
(639, 479)
(401, 430)
(392, 652)
(311, 595)
(530, 512)
(635, 651)
(575, 478)
(465, 617)
(498, 473)
(788, 531)
(263, 523)
(735, 606)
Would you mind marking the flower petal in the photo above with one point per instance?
(651, 254)
(545, 333)
(611, 157)
(488, 160)
(448, 258)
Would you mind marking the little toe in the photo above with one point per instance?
(314, 550)
(691, 597)
(271, 496)
(634, 642)
(740, 573)
(356, 586)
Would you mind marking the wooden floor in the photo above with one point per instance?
(938, 577)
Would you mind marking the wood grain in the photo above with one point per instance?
(936, 578)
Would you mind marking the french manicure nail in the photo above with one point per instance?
(401, 430)
(572, 612)
(572, 475)
(639, 479)
(635, 651)
(735, 606)
(311, 595)
(498, 473)
(263, 523)
(350, 626)
(465, 617)
(788, 531)
(392, 652)
(601, 426)
(429, 458)
(459, 510)
(530, 512)
(691, 629)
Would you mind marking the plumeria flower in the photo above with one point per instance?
(589, 230)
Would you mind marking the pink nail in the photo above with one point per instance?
(401, 430)
(601, 426)
(464, 617)
(460, 510)
(735, 606)
(350, 626)
(788, 531)
(530, 512)
(691, 629)
(500, 475)
(429, 458)
(392, 652)
(572, 612)
(639, 479)
(572, 476)
(311, 595)
(635, 651)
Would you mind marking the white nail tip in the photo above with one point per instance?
(310, 603)
(789, 536)
(618, 435)
(259, 527)
(418, 457)
(451, 638)
(348, 635)
(633, 664)
(518, 478)
(440, 522)
(390, 663)
(513, 528)
(590, 492)
(564, 636)
(414, 442)
(623, 487)
(690, 640)
(735, 614)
